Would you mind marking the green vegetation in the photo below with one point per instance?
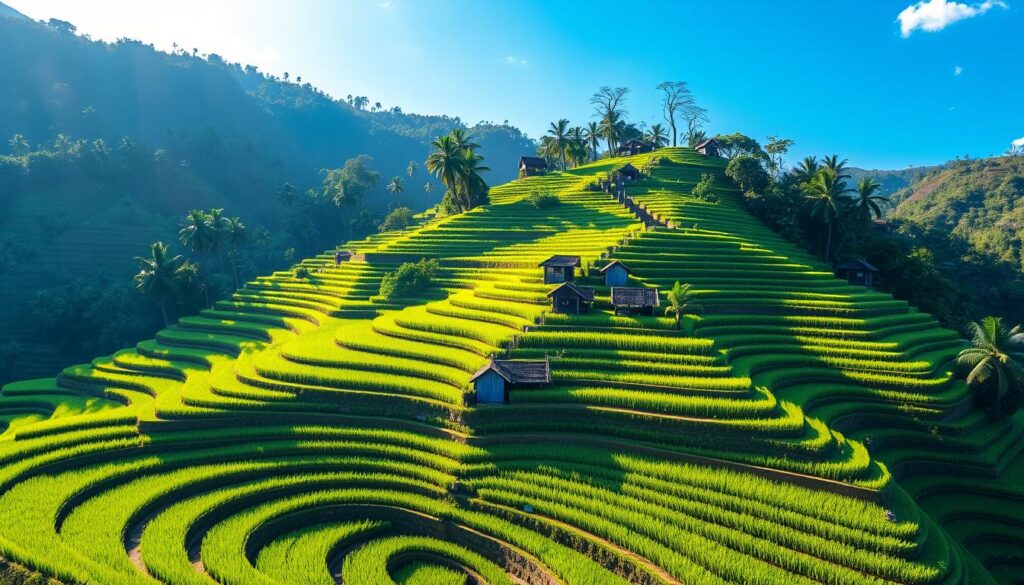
(320, 420)
(994, 364)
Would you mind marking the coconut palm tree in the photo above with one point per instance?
(197, 234)
(474, 189)
(825, 192)
(610, 125)
(866, 201)
(806, 169)
(839, 166)
(680, 301)
(463, 139)
(411, 169)
(287, 195)
(219, 224)
(559, 133)
(234, 237)
(657, 136)
(395, 188)
(995, 360)
(428, 187)
(19, 145)
(696, 137)
(592, 133)
(159, 277)
(445, 162)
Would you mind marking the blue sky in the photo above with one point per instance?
(885, 83)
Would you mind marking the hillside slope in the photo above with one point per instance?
(979, 201)
(308, 431)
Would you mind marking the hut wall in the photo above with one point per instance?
(490, 389)
(616, 276)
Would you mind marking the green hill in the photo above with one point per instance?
(798, 430)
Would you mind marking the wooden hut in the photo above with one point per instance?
(628, 172)
(858, 271)
(559, 269)
(532, 165)
(571, 299)
(493, 381)
(634, 146)
(615, 273)
(342, 256)
(634, 299)
(708, 148)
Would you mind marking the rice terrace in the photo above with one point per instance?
(654, 355)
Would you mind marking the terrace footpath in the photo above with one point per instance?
(307, 424)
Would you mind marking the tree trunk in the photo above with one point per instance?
(828, 243)
(163, 311)
(679, 319)
(672, 125)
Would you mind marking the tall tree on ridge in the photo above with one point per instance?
(826, 191)
(609, 109)
(592, 134)
(235, 236)
(19, 145)
(656, 136)
(558, 131)
(677, 97)
(396, 189)
(411, 169)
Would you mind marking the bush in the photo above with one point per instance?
(705, 188)
(748, 173)
(399, 218)
(409, 279)
(543, 200)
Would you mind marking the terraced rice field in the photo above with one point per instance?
(799, 430)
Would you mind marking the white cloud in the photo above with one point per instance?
(958, 70)
(935, 15)
(386, 5)
(1019, 143)
(513, 60)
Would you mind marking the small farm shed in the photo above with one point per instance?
(634, 299)
(615, 273)
(532, 165)
(858, 271)
(708, 148)
(559, 269)
(571, 299)
(634, 146)
(342, 256)
(493, 381)
(628, 172)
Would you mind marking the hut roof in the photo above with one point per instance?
(856, 264)
(517, 371)
(344, 253)
(609, 265)
(634, 296)
(532, 162)
(709, 141)
(583, 292)
(562, 261)
(627, 169)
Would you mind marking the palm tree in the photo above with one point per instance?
(680, 300)
(696, 137)
(577, 146)
(396, 189)
(866, 201)
(806, 169)
(839, 166)
(609, 127)
(445, 162)
(995, 359)
(235, 237)
(463, 139)
(197, 233)
(473, 188)
(592, 133)
(219, 224)
(159, 277)
(411, 169)
(825, 191)
(287, 195)
(18, 144)
(559, 138)
(657, 136)
(428, 187)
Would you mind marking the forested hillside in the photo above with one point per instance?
(978, 201)
(106, 148)
(775, 425)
